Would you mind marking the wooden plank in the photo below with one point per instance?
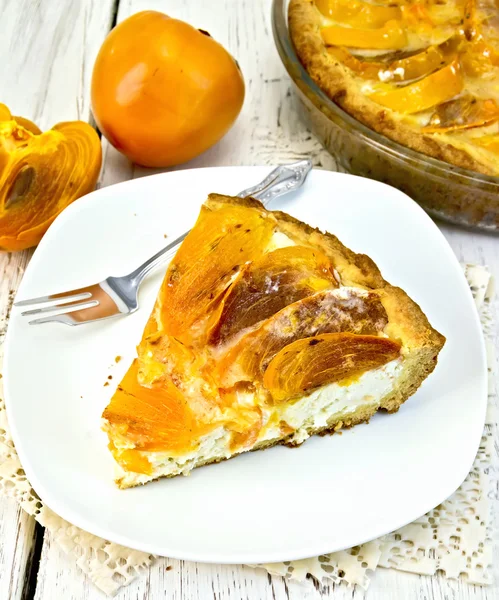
(20, 539)
(388, 584)
(179, 580)
(12, 266)
(47, 49)
(17, 529)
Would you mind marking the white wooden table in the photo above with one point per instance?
(47, 50)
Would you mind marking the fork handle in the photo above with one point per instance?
(279, 181)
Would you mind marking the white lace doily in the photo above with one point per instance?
(455, 538)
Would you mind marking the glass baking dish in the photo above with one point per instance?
(445, 191)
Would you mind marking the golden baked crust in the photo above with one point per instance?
(405, 325)
(338, 82)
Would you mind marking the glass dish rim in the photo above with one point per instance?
(286, 51)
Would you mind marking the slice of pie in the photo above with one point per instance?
(425, 74)
(265, 331)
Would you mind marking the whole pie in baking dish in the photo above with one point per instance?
(265, 331)
(425, 74)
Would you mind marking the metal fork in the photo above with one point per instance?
(116, 296)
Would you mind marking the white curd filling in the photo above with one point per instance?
(306, 414)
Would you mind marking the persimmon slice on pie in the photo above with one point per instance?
(265, 331)
(425, 74)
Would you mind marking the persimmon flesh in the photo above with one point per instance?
(266, 286)
(329, 311)
(41, 174)
(210, 256)
(162, 91)
(157, 418)
(312, 362)
(423, 94)
(26, 123)
(464, 112)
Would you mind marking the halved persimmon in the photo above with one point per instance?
(325, 312)
(5, 115)
(220, 243)
(328, 358)
(42, 174)
(269, 284)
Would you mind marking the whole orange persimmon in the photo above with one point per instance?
(163, 91)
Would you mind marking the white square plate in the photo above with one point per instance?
(280, 504)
